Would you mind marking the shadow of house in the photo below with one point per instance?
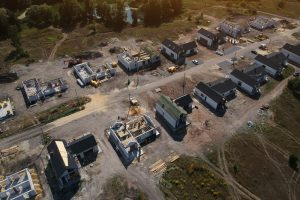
(186, 102)
(172, 117)
(57, 193)
(63, 165)
(85, 149)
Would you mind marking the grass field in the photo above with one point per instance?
(258, 157)
(117, 188)
(189, 178)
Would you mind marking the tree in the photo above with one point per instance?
(293, 162)
(152, 13)
(7, 18)
(88, 8)
(42, 16)
(177, 6)
(166, 10)
(70, 12)
(119, 17)
(281, 4)
(134, 17)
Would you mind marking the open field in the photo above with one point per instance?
(270, 144)
(190, 178)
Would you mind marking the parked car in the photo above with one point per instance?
(195, 62)
(220, 53)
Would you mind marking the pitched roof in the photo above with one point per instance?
(82, 144)
(207, 33)
(60, 158)
(223, 86)
(209, 92)
(274, 60)
(173, 46)
(189, 45)
(183, 100)
(292, 48)
(255, 71)
(243, 77)
(170, 107)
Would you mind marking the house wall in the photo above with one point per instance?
(172, 122)
(209, 41)
(228, 93)
(247, 88)
(119, 145)
(293, 57)
(205, 98)
(191, 51)
(169, 52)
(268, 69)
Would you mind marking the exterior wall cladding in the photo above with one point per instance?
(205, 98)
(247, 88)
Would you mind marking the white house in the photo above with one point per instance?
(135, 61)
(273, 63)
(190, 48)
(245, 82)
(209, 96)
(292, 52)
(225, 87)
(173, 114)
(207, 38)
(173, 51)
(257, 72)
(83, 146)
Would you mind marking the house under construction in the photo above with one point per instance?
(34, 90)
(85, 74)
(136, 60)
(127, 137)
(6, 108)
(19, 186)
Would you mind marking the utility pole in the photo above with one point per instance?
(183, 84)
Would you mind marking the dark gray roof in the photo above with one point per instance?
(209, 92)
(82, 144)
(243, 77)
(57, 161)
(184, 100)
(292, 48)
(173, 46)
(207, 33)
(255, 71)
(223, 86)
(189, 45)
(274, 60)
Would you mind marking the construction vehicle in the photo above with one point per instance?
(114, 64)
(263, 47)
(172, 69)
(95, 83)
(73, 62)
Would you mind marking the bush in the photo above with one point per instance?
(42, 16)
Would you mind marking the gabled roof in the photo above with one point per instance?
(207, 33)
(171, 107)
(223, 86)
(173, 46)
(292, 48)
(274, 60)
(183, 100)
(82, 144)
(209, 92)
(255, 71)
(189, 46)
(60, 158)
(243, 77)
